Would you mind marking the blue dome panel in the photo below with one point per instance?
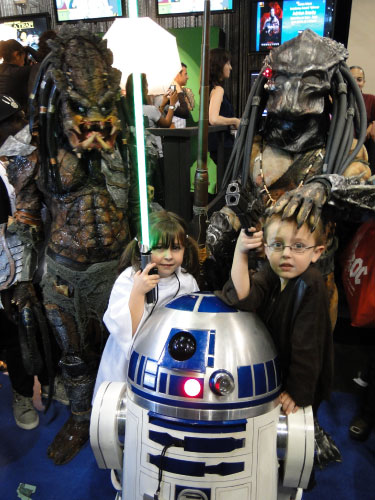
(184, 303)
(212, 304)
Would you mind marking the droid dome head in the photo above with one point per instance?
(198, 355)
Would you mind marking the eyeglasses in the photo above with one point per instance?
(277, 246)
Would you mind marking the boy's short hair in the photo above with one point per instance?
(319, 232)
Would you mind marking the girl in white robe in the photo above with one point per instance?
(175, 255)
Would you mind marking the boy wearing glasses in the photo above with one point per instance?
(289, 294)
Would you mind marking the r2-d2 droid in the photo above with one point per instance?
(199, 416)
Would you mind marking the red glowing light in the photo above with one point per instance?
(192, 387)
(267, 72)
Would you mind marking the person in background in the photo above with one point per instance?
(221, 111)
(184, 104)
(44, 49)
(14, 75)
(359, 75)
(12, 121)
(40, 54)
(155, 119)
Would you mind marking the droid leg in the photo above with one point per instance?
(107, 430)
(295, 450)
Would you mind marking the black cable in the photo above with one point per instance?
(332, 127)
(253, 123)
(339, 127)
(179, 285)
(255, 113)
(362, 116)
(236, 156)
(51, 140)
(33, 97)
(238, 148)
(176, 442)
(43, 98)
(347, 137)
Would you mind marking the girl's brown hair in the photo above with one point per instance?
(165, 229)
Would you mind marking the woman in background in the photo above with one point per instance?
(220, 108)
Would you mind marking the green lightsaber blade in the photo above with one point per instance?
(140, 142)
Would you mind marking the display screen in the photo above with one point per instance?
(178, 7)
(76, 10)
(27, 29)
(277, 22)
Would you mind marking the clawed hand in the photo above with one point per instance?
(305, 201)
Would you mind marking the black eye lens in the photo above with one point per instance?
(314, 79)
(77, 108)
(182, 346)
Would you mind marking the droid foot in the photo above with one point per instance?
(69, 441)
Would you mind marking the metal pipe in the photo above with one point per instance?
(201, 174)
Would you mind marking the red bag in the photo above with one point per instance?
(358, 275)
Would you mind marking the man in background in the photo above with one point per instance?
(359, 75)
(185, 102)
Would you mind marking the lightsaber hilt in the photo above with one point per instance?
(146, 259)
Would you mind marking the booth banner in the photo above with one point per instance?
(358, 275)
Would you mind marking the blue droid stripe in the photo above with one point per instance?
(271, 375)
(278, 371)
(198, 426)
(133, 365)
(259, 379)
(198, 444)
(211, 345)
(140, 370)
(245, 382)
(210, 361)
(163, 383)
(195, 469)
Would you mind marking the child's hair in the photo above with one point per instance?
(319, 232)
(165, 227)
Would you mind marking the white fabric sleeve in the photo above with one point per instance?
(117, 317)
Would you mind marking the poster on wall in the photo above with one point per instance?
(76, 10)
(177, 7)
(27, 29)
(279, 21)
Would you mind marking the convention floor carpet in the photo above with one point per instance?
(23, 458)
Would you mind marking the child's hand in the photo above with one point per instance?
(288, 404)
(144, 282)
(246, 243)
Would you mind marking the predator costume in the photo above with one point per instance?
(79, 174)
(300, 156)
